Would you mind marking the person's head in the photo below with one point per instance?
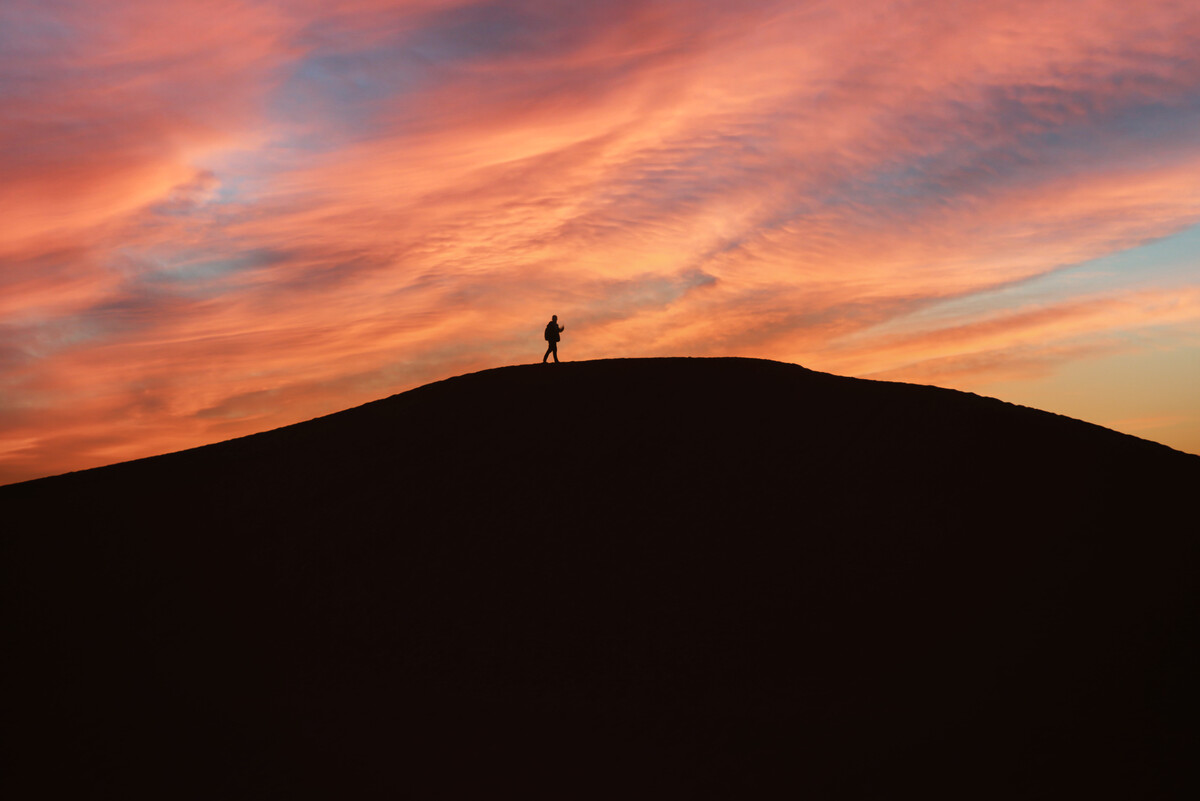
(554, 318)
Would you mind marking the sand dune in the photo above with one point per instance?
(622, 578)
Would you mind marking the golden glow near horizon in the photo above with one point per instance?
(221, 217)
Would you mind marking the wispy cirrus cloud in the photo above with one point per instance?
(222, 217)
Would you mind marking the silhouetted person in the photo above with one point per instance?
(553, 329)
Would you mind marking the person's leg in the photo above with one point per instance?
(547, 354)
(554, 348)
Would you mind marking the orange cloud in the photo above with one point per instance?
(219, 218)
(1010, 344)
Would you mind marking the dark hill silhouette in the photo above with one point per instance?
(626, 578)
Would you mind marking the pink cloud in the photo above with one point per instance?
(113, 104)
(219, 218)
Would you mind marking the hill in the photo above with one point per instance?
(645, 578)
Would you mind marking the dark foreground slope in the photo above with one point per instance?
(627, 578)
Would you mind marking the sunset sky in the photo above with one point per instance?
(219, 217)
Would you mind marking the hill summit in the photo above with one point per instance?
(652, 577)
